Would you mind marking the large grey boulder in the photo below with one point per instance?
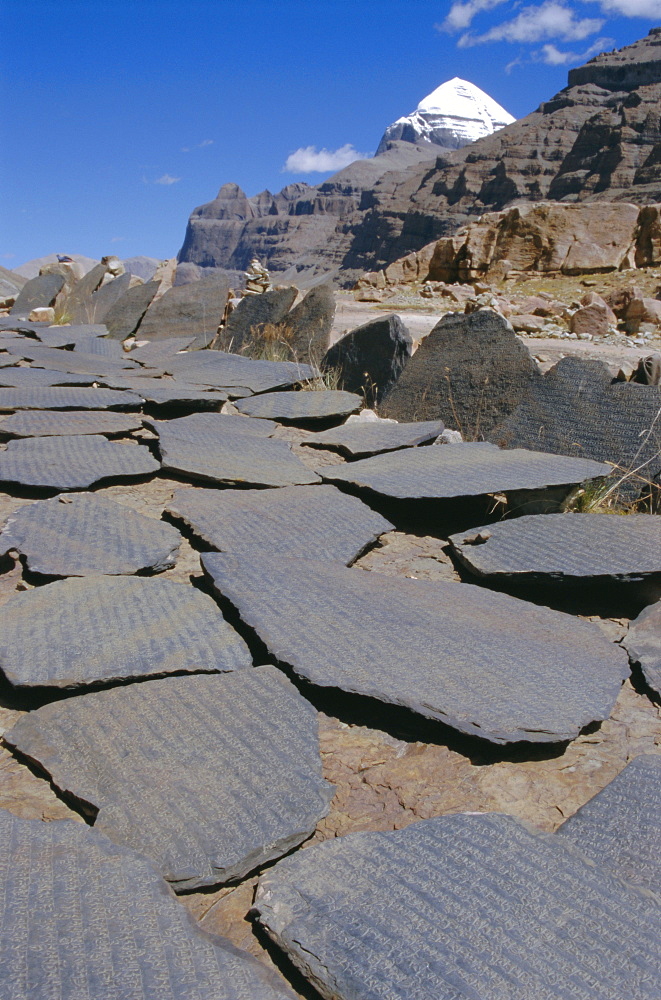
(78, 301)
(209, 776)
(371, 358)
(643, 644)
(186, 310)
(39, 291)
(308, 326)
(124, 317)
(246, 323)
(72, 462)
(101, 301)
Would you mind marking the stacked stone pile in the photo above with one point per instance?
(284, 711)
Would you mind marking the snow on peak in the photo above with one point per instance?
(460, 99)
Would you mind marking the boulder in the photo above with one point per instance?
(125, 316)
(101, 301)
(254, 319)
(308, 326)
(642, 310)
(39, 291)
(186, 310)
(78, 304)
(594, 317)
(643, 644)
(371, 358)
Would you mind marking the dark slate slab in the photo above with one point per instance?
(78, 299)
(371, 358)
(294, 407)
(292, 521)
(307, 327)
(362, 438)
(73, 462)
(485, 663)
(461, 907)
(102, 300)
(86, 535)
(16, 323)
(577, 409)
(620, 828)
(73, 633)
(208, 776)
(246, 323)
(562, 548)
(158, 351)
(224, 371)
(75, 362)
(460, 470)
(111, 927)
(56, 423)
(103, 346)
(211, 426)
(124, 317)
(39, 291)
(471, 372)
(170, 391)
(67, 336)
(19, 378)
(643, 644)
(186, 310)
(67, 398)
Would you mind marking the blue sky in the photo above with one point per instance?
(120, 117)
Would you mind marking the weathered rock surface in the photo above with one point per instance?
(87, 535)
(56, 423)
(486, 664)
(471, 372)
(39, 291)
(65, 398)
(300, 407)
(455, 908)
(33, 378)
(66, 336)
(157, 352)
(96, 307)
(125, 316)
(643, 644)
(72, 462)
(362, 439)
(187, 310)
(246, 323)
(291, 521)
(73, 633)
(371, 358)
(129, 937)
(620, 828)
(164, 392)
(223, 371)
(307, 327)
(226, 777)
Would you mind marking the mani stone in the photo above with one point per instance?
(462, 470)
(164, 392)
(67, 336)
(209, 776)
(295, 407)
(96, 307)
(577, 409)
(102, 629)
(371, 358)
(308, 326)
(643, 644)
(471, 372)
(361, 439)
(484, 663)
(36, 378)
(72, 462)
(226, 371)
(246, 323)
(157, 352)
(89, 535)
(464, 907)
(56, 423)
(620, 828)
(77, 301)
(38, 292)
(110, 927)
(292, 521)
(186, 310)
(124, 317)
(562, 548)
(67, 398)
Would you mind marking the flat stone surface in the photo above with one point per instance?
(72, 462)
(455, 908)
(86, 535)
(110, 928)
(246, 323)
(643, 644)
(561, 548)
(186, 309)
(100, 629)
(156, 352)
(124, 317)
(210, 777)
(67, 336)
(471, 372)
(55, 423)
(292, 521)
(67, 398)
(73, 362)
(371, 358)
(211, 426)
(103, 346)
(290, 407)
(576, 409)
(170, 391)
(362, 439)
(224, 371)
(484, 663)
(96, 307)
(461, 470)
(36, 378)
(39, 291)
(620, 828)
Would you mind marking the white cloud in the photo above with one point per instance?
(461, 14)
(553, 56)
(535, 24)
(118, 239)
(309, 159)
(630, 8)
(167, 179)
(199, 145)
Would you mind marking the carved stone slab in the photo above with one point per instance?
(208, 776)
(223, 371)
(34, 378)
(211, 426)
(157, 352)
(111, 927)
(76, 362)
(485, 663)
(643, 643)
(620, 828)
(361, 439)
(101, 628)
(462, 470)
(557, 548)
(292, 407)
(65, 398)
(66, 336)
(39, 291)
(292, 521)
(163, 392)
(55, 423)
(89, 535)
(125, 316)
(74, 462)
(456, 908)
(371, 358)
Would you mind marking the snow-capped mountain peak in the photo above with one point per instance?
(453, 115)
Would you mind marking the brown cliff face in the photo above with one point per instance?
(598, 139)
